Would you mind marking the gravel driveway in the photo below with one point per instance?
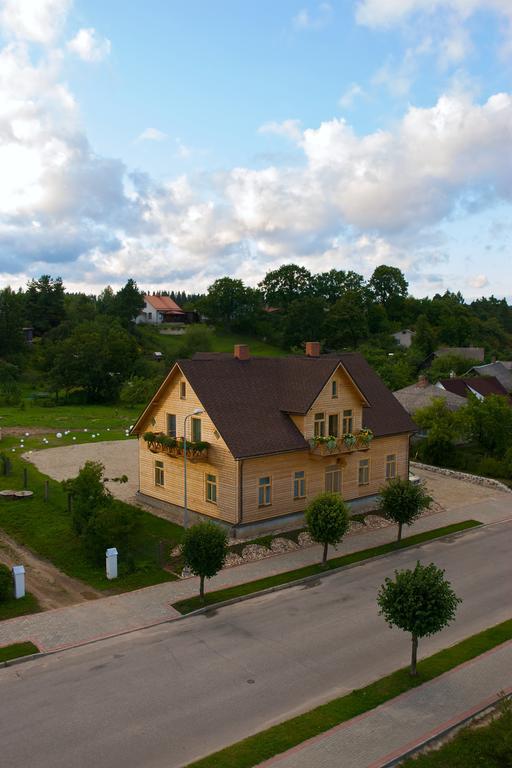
(120, 457)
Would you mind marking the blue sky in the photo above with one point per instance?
(177, 142)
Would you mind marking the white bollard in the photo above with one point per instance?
(18, 575)
(111, 563)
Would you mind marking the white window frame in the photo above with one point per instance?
(299, 484)
(331, 472)
(159, 473)
(265, 491)
(210, 488)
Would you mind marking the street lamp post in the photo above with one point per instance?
(195, 412)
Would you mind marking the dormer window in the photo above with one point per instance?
(334, 388)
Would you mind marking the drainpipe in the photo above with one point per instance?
(240, 490)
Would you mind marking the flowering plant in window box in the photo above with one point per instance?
(350, 440)
(153, 441)
(366, 436)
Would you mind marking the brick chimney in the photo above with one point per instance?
(241, 352)
(312, 349)
(493, 359)
(422, 381)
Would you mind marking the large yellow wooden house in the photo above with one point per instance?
(266, 435)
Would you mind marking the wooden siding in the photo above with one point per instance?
(348, 399)
(281, 469)
(220, 461)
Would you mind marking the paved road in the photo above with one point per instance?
(162, 696)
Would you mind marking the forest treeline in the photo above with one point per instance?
(89, 345)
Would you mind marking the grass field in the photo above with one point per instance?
(16, 650)
(264, 745)
(193, 603)
(13, 608)
(45, 528)
(94, 418)
(221, 341)
(485, 746)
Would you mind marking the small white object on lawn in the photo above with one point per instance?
(59, 434)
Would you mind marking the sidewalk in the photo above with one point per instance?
(374, 739)
(63, 627)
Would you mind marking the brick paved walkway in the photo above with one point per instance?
(374, 739)
(108, 616)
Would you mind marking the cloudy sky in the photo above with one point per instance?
(176, 141)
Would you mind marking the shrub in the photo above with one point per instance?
(112, 526)
(491, 467)
(88, 492)
(6, 588)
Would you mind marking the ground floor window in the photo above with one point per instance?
(211, 488)
(364, 472)
(299, 485)
(390, 466)
(159, 473)
(333, 479)
(264, 491)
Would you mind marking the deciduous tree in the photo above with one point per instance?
(204, 548)
(403, 502)
(327, 519)
(419, 601)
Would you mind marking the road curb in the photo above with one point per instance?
(465, 720)
(322, 575)
(234, 600)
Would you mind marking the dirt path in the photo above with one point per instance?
(52, 588)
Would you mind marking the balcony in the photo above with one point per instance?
(335, 446)
(158, 442)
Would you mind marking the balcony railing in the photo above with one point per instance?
(334, 446)
(158, 442)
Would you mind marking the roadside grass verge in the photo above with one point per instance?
(13, 608)
(273, 741)
(485, 745)
(45, 528)
(16, 650)
(193, 603)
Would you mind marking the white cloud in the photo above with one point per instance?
(478, 282)
(306, 19)
(88, 46)
(353, 92)
(38, 21)
(375, 13)
(290, 129)
(152, 134)
(353, 201)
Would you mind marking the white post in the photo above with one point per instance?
(111, 563)
(18, 575)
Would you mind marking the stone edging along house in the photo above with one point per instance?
(273, 433)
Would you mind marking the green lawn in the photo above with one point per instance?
(193, 603)
(221, 341)
(488, 746)
(13, 608)
(9, 652)
(45, 528)
(264, 745)
(94, 418)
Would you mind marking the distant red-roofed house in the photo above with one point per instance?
(161, 309)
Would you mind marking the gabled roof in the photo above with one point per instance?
(249, 401)
(164, 304)
(418, 396)
(483, 385)
(498, 369)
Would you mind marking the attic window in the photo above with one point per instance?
(334, 388)
(183, 390)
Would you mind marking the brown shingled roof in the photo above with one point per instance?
(249, 401)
